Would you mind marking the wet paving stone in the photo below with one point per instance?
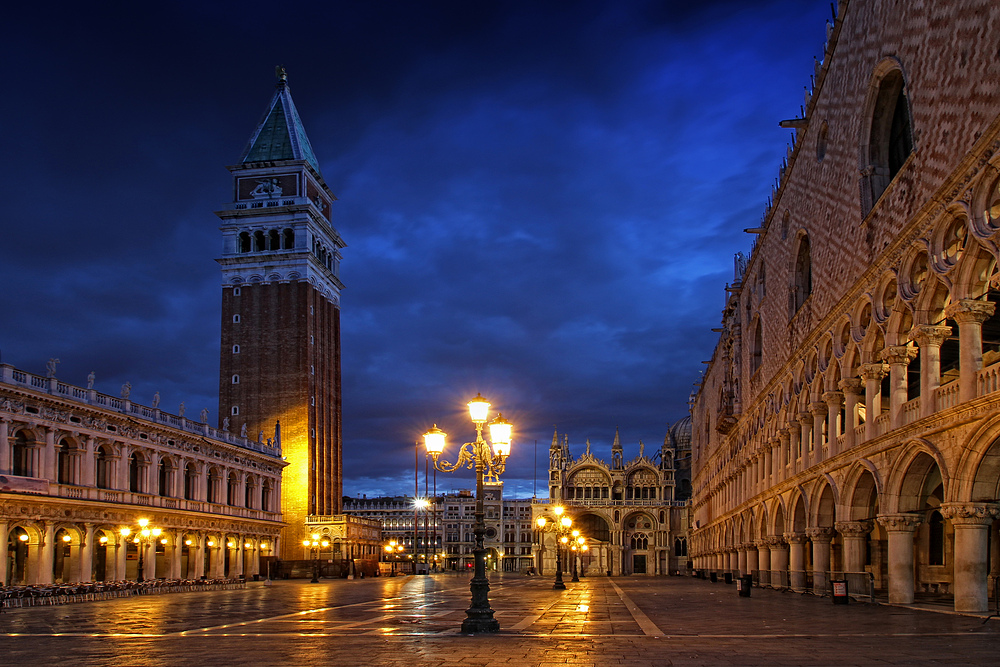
(416, 621)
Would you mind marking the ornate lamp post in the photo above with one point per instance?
(578, 546)
(486, 460)
(392, 551)
(143, 538)
(561, 526)
(313, 545)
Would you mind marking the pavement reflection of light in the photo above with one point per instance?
(583, 607)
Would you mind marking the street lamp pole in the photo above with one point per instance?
(143, 538)
(486, 461)
(560, 527)
(314, 544)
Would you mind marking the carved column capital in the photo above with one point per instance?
(970, 514)
(774, 541)
(899, 354)
(795, 538)
(835, 398)
(820, 534)
(854, 528)
(964, 311)
(784, 435)
(929, 334)
(819, 409)
(850, 386)
(805, 418)
(900, 522)
(875, 371)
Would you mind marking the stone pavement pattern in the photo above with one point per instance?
(415, 621)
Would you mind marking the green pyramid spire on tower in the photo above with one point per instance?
(280, 134)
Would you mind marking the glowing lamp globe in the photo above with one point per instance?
(500, 430)
(479, 409)
(434, 441)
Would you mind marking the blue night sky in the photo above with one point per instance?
(541, 200)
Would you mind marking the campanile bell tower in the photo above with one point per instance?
(280, 357)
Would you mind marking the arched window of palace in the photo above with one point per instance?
(134, 472)
(757, 347)
(232, 494)
(190, 479)
(64, 463)
(20, 457)
(214, 481)
(891, 136)
(801, 275)
(103, 467)
(163, 478)
(640, 541)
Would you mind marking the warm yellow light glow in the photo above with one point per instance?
(585, 547)
(232, 545)
(163, 541)
(325, 543)
(558, 510)
(263, 545)
(211, 543)
(145, 532)
(500, 430)
(541, 521)
(103, 540)
(576, 533)
(156, 532)
(143, 523)
(434, 440)
(479, 409)
(315, 536)
(248, 545)
(66, 538)
(566, 522)
(125, 532)
(306, 543)
(579, 538)
(22, 537)
(421, 503)
(389, 549)
(564, 539)
(136, 540)
(187, 542)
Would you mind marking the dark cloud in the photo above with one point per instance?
(541, 201)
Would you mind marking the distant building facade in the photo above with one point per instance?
(444, 529)
(280, 352)
(848, 422)
(77, 466)
(632, 513)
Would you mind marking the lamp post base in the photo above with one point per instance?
(479, 615)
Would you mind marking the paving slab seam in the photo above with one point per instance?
(648, 627)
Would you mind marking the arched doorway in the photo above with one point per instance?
(17, 556)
